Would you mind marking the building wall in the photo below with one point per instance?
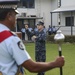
(67, 2)
(45, 9)
(67, 29)
(54, 5)
(42, 9)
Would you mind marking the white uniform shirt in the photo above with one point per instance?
(23, 30)
(12, 53)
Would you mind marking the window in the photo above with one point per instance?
(27, 3)
(20, 23)
(69, 21)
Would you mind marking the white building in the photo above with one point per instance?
(48, 11)
(67, 16)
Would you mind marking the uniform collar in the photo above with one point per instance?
(2, 26)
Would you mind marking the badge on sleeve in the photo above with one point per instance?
(20, 45)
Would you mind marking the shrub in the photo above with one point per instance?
(68, 38)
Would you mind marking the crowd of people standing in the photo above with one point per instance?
(27, 32)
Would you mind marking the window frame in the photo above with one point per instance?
(69, 21)
(27, 3)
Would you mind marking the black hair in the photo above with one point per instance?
(4, 12)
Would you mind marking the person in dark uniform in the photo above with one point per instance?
(23, 33)
(40, 48)
(50, 30)
(27, 31)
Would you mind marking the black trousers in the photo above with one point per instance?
(23, 36)
(40, 56)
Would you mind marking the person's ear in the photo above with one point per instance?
(9, 15)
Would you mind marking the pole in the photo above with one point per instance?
(60, 54)
(59, 38)
(51, 19)
(71, 23)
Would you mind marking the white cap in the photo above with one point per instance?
(8, 4)
(8, 0)
(2, 1)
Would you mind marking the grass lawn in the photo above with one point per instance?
(68, 50)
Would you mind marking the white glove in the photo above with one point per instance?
(33, 38)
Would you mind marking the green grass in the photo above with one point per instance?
(68, 50)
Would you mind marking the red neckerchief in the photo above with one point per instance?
(4, 35)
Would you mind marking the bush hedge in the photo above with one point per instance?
(68, 38)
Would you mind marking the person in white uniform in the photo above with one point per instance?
(12, 51)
